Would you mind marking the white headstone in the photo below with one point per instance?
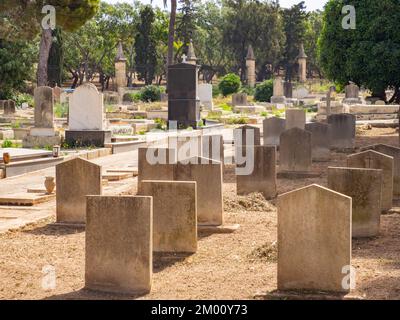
(204, 91)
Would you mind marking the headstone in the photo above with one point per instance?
(213, 147)
(272, 130)
(187, 145)
(364, 186)
(278, 91)
(374, 160)
(205, 95)
(57, 94)
(86, 119)
(174, 214)
(164, 97)
(2, 103)
(320, 141)
(9, 107)
(239, 99)
(300, 93)
(380, 102)
(302, 61)
(183, 104)
(262, 178)
(314, 239)
(75, 179)
(247, 135)
(288, 89)
(392, 152)
(295, 118)
(119, 246)
(120, 68)
(295, 151)
(343, 130)
(352, 94)
(156, 164)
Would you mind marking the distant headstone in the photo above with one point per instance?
(320, 140)
(262, 178)
(288, 89)
(86, 118)
(300, 93)
(119, 246)
(183, 103)
(295, 118)
(392, 152)
(57, 94)
(364, 186)
(239, 99)
(9, 107)
(310, 255)
(205, 95)
(174, 214)
(247, 135)
(213, 147)
(295, 151)
(343, 130)
(75, 179)
(44, 105)
(374, 160)
(278, 91)
(352, 94)
(272, 130)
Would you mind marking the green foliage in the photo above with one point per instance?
(367, 55)
(7, 144)
(16, 124)
(161, 124)
(21, 98)
(150, 93)
(131, 97)
(263, 113)
(215, 91)
(264, 91)
(225, 107)
(240, 120)
(229, 84)
(248, 90)
(145, 45)
(61, 110)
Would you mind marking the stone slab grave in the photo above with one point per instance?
(262, 159)
(119, 246)
(295, 154)
(247, 135)
(213, 147)
(75, 179)
(392, 152)
(374, 160)
(364, 186)
(204, 91)
(272, 130)
(116, 176)
(295, 118)
(86, 118)
(343, 131)
(320, 141)
(154, 164)
(25, 198)
(174, 214)
(311, 256)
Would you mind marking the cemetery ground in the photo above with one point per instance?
(226, 266)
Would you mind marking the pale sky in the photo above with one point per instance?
(311, 4)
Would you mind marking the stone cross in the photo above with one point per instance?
(184, 56)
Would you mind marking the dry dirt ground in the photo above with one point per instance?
(226, 266)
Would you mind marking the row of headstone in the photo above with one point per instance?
(8, 107)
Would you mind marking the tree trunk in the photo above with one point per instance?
(44, 51)
(171, 34)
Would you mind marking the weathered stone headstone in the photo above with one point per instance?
(156, 164)
(75, 179)
(314, 239)
(57, 94)
(9, 107)
(263, 176)
(247, 135)
(213, 147)
(374, 160)
(392, 152)
(183, 103)
(205, 95)
(343, 130)
(320, 141)
(295, 118)
(272, 130)
(86, 119)
(174, 214)
(364, 186)
(119, 246)
(2, 102)
(278, 91)
(352, 94)
(300, 93)
(239, 99)
(295, 151)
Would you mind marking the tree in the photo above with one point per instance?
(16, 66)
(145, 46)
(313, 31)
(295, 20)
(186, 23)
(70, 15)
(257, 23)
(368, 55)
